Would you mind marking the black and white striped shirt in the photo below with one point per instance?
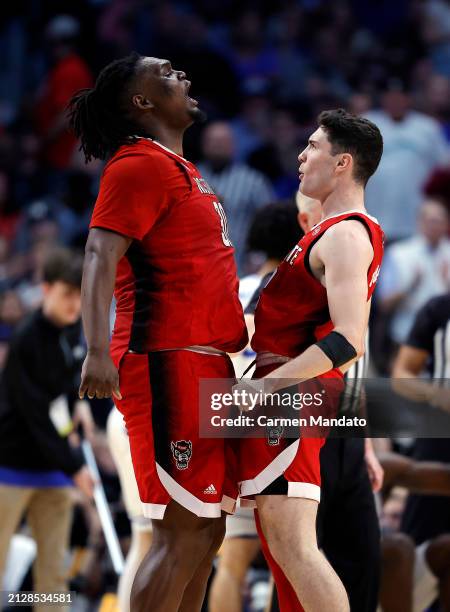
(431, 332)
(241, 190)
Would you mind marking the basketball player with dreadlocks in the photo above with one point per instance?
(158, 237)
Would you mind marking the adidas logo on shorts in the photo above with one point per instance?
(211, 490)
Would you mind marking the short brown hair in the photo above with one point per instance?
(63, 265)
(358, 136)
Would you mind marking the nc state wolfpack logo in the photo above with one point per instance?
(273, 436)
(182, 453)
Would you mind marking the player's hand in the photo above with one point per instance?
(83, 480)
(440, 398)
(99, 377)
(247, 394)
(374, 469)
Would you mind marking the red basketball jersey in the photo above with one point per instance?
(177, 284)
(292, 312)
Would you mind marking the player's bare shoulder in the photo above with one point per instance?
(344, 246)
(348, 239)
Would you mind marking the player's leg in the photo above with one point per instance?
(438, 559)
(287, 600)
(194, 593)
(181, 542)
(192, 472)
(141, 527)
(397, 554)
(240, 547)
(289, 526)
(140, 545)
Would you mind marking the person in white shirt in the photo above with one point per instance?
(416, 269)
(414, 145)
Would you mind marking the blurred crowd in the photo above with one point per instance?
(262, 71)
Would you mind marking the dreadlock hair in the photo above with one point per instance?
(99, 116)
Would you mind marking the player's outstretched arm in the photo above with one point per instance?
(99, 377)
(420, 477)
(344, 254)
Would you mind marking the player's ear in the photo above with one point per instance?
(303, 221)
(141, 102)
(344, 162)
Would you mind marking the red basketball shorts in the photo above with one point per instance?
(160, 405)
(286, 466)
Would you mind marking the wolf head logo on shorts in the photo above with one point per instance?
(273, 436)
(182, 453)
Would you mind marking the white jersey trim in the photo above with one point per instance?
(305, 490)
(186, 499)
(271, 472)
(153, 511)
(162, 147)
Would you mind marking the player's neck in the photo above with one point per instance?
(343, 198)
(169, 138)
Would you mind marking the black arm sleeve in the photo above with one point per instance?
(33, 405)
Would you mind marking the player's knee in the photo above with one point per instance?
(234, 559)
(185, 546)
(397, 548)
(218, 535)
(438, 555)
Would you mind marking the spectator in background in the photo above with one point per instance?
(252, 126)
(68, 74)
(240, 189)
(436, 101)
(416, 269)
(427, 517)
(73, 211)
(413, 146)
(254, 61)
(436, 34)
(37, 463)
(277, 158)
(273, 232)
(11, 313)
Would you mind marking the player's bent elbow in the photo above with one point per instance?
(354, 339)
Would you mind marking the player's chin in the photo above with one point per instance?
(197, 114)
(306, 190)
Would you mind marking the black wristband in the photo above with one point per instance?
(337, 348)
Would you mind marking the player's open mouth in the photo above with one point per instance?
(192, 100)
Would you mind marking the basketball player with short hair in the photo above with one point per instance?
(159, 239)
(312, 317)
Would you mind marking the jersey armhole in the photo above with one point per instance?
(308, 250)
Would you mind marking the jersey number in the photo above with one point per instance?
(223, 224)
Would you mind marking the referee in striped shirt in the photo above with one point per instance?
(242, 189)
(427, 348)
